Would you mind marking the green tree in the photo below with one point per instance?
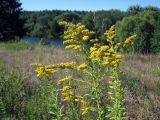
(55, 30)
(151, 8)
(11, 25)
(88, 20)
(146, 25)
(139, 26)
(133, 10)
(39, 31)
(156, 39)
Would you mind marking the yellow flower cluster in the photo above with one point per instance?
(129, 41)
(66, 79)
(75, 47)
(110, 34)
(42, 70)
(63, 65)
(69, 95)
(85, 109)
(82, 67)
(76, 35)
(67, 88)
(94, 41)
(66, 91)
(105, 54)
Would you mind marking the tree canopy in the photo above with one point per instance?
(11, 25)
(146, 26)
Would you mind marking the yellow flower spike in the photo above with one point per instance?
(91, 33)
(92, 49)
(66, 88)
(82, 67)
(110, 34)
(67, 93)
(70, 46)
(66, 79)
(85, 110)
(118, 56)
(68, 96)
(69, 41)
(98, 44)
(75, 35)
(117, 46)
(85, 38)
(36, 65)
(105, 60)
(64, 65)
(95, 54)
(94, 41)
(111, 50)
(69, 64)
(78, 47)
(114, 63)
(104, 48)
(42, 71)
(107, 54)
(78, 98)
(129, 41)
(85, 31)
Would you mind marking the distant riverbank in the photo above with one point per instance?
(37, 41)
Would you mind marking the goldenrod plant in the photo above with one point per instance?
(95, 91)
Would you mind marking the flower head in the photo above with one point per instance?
(82, 67)
(66, 79)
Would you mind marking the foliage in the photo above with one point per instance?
(43, 24)
(134, 10)
(142, 21)
(19, 100)
(155, 43)
(145, 26)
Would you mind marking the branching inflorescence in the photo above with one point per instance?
(100, 100)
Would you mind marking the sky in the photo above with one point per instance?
(87, 5)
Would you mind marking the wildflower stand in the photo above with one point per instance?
(100, 61)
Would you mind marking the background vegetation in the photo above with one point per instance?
(145, 22)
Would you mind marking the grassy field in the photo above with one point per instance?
(140, 75)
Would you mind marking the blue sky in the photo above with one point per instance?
(84, 4)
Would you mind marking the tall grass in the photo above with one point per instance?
(21, 98)
(16, 45)
(140, 75)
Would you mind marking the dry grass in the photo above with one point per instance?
(44, 55)
(146, 68)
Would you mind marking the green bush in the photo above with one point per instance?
(21, 99)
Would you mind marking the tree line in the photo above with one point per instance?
(142, 21)
(45, 23)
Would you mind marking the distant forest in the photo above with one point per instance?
(145, 22)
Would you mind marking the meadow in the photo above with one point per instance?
(24, 96)
(108, 67)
